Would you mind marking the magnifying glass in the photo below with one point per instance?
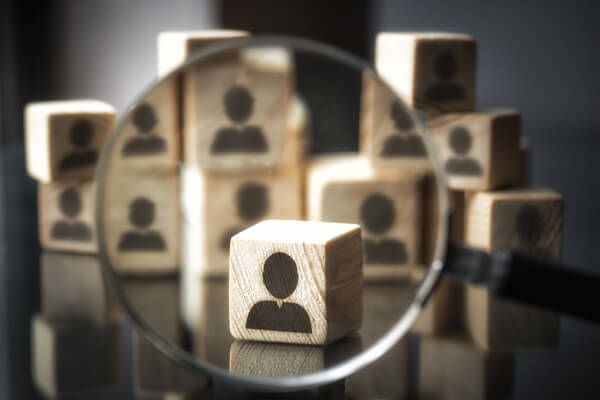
(262, 129)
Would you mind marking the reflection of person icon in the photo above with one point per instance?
(146, 142)
(239, 104)
(280, 276)
(80, 136)
(460, 143)
(402, 143)
(445, 90)
(377, 215)
(141, 215)
(69, 204)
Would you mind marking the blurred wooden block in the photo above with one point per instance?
(526, 220)
(73, 357)
(443, 311)
(386, 203)
(67, 212)
(295, 282)
(478, 150)
(72, 288)
(236, 106)
(174, 48)
(63, 139)
(453, 368)
(432, 71)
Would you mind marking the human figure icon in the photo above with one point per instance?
(80, 137)
(445, 90)
(460, 144)
(402, 143)
(69, 204)
(378, 216)
(239, 138)
(141, 215)
(529, 229)
(147, 141)
(280, 276)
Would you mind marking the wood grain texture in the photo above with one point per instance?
(63, 139)
(301, 280)
(526, 220)
(432, 71)
(479, 151)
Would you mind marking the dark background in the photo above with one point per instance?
(540, 57)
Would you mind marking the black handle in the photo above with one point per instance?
(518, 277)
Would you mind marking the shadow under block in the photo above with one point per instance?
(480, 150)
(386, 203)
(174, 48)
(73, 357)
(67, 212)
(72, 288)
(526, 220)
(235, 109)
(295, 282)
(63, 139)
(452, 368)
(432, 71)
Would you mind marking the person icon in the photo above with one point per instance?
(460, 144)
(280, 276)
(147, 142)
(69, 204)
(80, 137)
(528, 226)
(141, 215)
(445, 90)
(377, 215)
(239, 105)
(402, 143)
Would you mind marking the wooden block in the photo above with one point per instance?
(443, 311)
(66, 212)
(526, 220)
(478, 150)
(174, 48)
(387, 204)
(72, 288)
(236, 108)
(73, 357)
(295, 282)
(451, 368)
(63, 139)
(432, 71)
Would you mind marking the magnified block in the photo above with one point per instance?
(64, 138)
(295, 282)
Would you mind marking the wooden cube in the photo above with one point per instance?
(525, 220)
(72, 288)
(443, 311)
(432, 71)
(387, 204)
(479, 150)
(174, 48)
(295, 282)
(66, 213)
(236, 107)
(63, 139)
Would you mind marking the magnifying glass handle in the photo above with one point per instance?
(526, 279)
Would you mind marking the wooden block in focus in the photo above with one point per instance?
(175, 47)
(295, 282)
(526, 220)
(386, 203)
(73, 357)
(451, 367)
(236, 107)
(66, 212)
(72, 288)
(63, 139)
(432, 71)
(478, 151)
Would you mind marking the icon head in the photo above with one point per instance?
(460, 140)
(399, 115)
(141, 212)
(144, 118)
(81, 133)
(280, 275)
(377, 213)
(445, 66)
(239, 103)
(252, 202)
(69, 203)
(529, 221)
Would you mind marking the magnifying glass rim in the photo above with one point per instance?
(327, 375)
